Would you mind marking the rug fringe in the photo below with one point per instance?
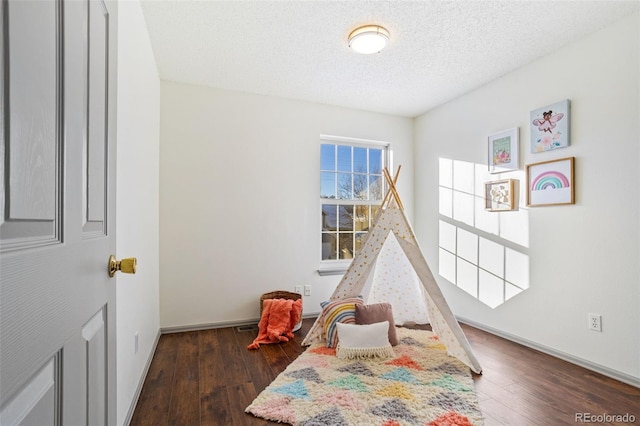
(362, 353)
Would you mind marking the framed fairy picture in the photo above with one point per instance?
(550, 126)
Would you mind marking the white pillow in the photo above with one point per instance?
(364, 341)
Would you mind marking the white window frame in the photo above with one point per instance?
(339, 266)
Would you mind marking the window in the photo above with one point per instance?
(352, 185)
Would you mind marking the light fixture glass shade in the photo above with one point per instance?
(368, 39)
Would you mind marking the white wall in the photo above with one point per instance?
(239, 198)
(583, 257)
(137, 201)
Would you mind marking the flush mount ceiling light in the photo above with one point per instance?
(368, 39)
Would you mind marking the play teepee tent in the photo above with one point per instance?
(390, 268)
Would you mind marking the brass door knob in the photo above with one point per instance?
(128, 265)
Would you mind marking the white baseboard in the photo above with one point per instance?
(136, 395)
(606, 371)
(223, 324)
(206, 326)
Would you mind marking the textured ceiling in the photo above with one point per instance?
(298, 49)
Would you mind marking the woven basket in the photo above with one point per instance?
(282, 294)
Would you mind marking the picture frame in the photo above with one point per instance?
(503, 151)
(500, 195)
(550, 127)
(551, 182)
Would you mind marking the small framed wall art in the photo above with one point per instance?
(550, 127)
(500, 195)
(503, 151)
(551, 182)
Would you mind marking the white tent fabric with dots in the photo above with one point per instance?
(390, 268)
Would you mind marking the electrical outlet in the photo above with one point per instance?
(307, 290)
(298, 289)
(136, 345)
(595, 322)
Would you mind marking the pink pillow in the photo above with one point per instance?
(377, 312)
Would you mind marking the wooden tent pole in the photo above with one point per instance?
(392, 183)
(392, 186)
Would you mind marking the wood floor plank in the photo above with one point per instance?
(155, 397)
(489, 420)
(209, 377)
(215, 407)
(293, 351)
(185, 402)
(240, 397)
(257, 365)
(506, 415)
(217, 346)
(234, 372)
(211, 367)
(276, 357)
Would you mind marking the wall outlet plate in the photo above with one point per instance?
(298, 289)
(595, 322)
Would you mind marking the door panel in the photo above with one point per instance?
(94, 334)
(97, 141)
(32, 125)
(33, 104)
(57, 194)
(36, 404)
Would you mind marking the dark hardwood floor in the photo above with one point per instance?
(209, 377)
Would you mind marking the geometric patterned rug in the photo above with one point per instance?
(420, 385)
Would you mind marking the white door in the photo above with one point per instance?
(57, 227)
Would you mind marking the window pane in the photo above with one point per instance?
(375, 187)
(360, 187)
(361, 218)
(327, 157)
(329, 217)
(345, 242)
(344, 158)
(345, 221)
(369, 220)
(360, 160)
(327, 185)
(345, 186)
(329, 245)
(375, 161)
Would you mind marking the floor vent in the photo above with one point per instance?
(251, 327)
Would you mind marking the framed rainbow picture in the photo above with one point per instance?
(551, 182)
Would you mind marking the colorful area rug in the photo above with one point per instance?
(421, 385)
